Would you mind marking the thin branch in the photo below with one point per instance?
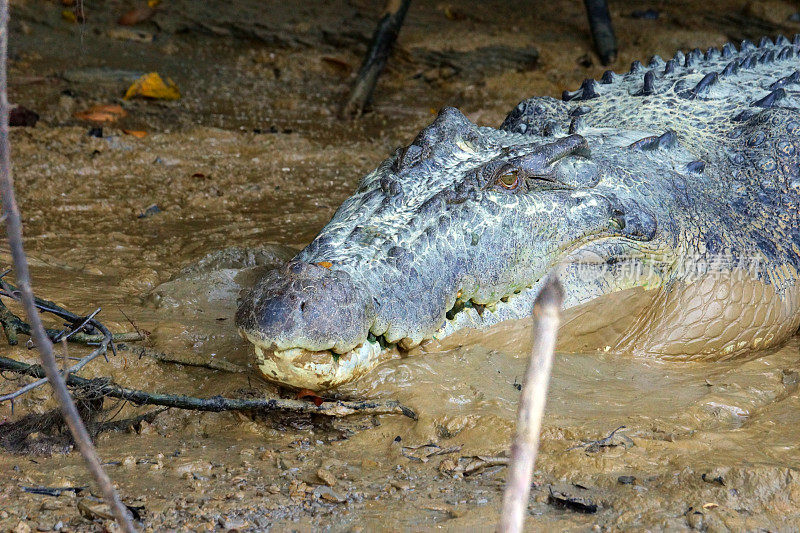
(42, 341)
(82, 362)
(379, 49)
(161, 357)
(78, 324)
(16, 325)
(105, 387)
(546, 316)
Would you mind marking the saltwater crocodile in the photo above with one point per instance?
(667, 197)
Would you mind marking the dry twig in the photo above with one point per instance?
(79, 328)
(379, 49)
(546, 316)
(105, 387)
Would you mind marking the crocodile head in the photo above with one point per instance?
(454, 230)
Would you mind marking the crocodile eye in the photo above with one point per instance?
(509, 179)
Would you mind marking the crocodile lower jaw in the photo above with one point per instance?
(304, 369)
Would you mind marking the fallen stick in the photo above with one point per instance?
(546, 316)
(379, 49)
(13, 325)
(75, 333)
(104, 387)
(45, 347)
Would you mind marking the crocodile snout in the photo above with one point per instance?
(307, 306)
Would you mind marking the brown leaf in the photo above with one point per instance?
(102, 113)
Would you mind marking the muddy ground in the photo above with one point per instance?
(253, 156)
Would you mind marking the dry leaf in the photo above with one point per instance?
(139, 134)
(310, 395)
(102, 113)
(69, 15)
(153, 86)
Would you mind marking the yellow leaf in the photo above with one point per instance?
(153, 86)
(325, 264)
(153, 3)
(69, 15)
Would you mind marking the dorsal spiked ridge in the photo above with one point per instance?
(655, 62)
(745, 115)
(587, 91)
(678, 69)
(787, 80)
(771, 99)
(749, 61)
(666, 140)
(636, 67)
(728, 50)
(608, 77)
(711, 54)
(693, 57)
(730, 69)
(702, 87)
(786, 52)
(649, 84)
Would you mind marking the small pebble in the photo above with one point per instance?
(150, 211)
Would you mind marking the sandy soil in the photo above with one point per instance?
(253, 156)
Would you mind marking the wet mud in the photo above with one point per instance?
(244, 169)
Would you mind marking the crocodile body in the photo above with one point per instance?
(667, 197)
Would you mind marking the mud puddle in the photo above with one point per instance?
(253, 163)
